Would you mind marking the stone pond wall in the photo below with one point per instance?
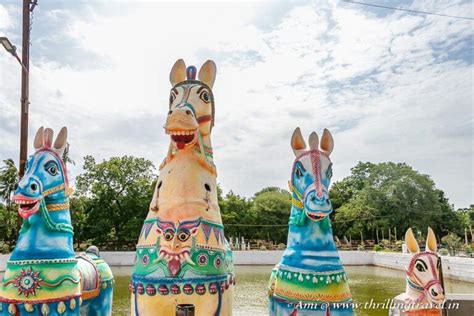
(456, 268)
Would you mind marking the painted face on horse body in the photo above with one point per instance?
(175, 243)
(45, 175)
(423, 270)
(311, 173)
(191, 113)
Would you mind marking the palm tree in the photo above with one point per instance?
(8, 183)
(66, 158)
(8, 180)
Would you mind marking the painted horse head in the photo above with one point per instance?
(191, 110)
(45, 175)
(311, 174)
(423, 270)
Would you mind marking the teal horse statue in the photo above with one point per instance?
(310, 279)
(43, 275)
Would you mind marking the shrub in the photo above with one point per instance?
(443, 252)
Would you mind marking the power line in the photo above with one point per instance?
(409, 10)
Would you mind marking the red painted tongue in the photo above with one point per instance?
(174, 265)
(180, 144)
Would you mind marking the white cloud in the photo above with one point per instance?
(5, 20)
(387, 86)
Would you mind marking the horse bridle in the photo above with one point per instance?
(45, 209)
(315, 156)
(64, 186)
(415, 283)
(204, 118)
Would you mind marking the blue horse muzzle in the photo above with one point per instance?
(317, 206)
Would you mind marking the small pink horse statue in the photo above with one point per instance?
(424, 294)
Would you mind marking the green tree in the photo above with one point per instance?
(8, 212)
(271, 206)
(8, 180)
(388, 195)
(235, 211)
(115, 197)
(453, 242)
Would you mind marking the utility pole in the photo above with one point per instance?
(28, 7)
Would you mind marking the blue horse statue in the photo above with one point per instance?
(310, 279)
(43, 275)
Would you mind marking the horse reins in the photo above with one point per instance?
(415, 283)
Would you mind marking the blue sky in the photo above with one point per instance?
(391, 86)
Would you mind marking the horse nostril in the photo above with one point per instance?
(33, 186)
(433, 292)
(169, 112)
(188, 112)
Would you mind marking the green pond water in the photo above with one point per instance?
(366, 282)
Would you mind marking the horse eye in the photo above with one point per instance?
(298, 173)
(205, 96)
(420, 268)
(329, 171)
(53, 170)
(183, 236)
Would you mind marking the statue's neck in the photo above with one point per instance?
(308, 234)
(57, 199)
(48, 233)
(204, 144)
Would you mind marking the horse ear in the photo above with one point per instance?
(327, 142)
(431, 243)
(411, 242)
(297, 141)
(207, 73)
(178, 72)
(38, 143)
(48, 138)
(313, 141)
(61, 141)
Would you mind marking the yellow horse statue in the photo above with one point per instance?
(182, 257)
